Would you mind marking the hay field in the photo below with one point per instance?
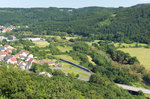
(41, 43)
(143, 55)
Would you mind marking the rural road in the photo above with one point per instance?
(127, 87)
(136, 89)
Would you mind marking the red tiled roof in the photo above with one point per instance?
(3, 53)
(49, 62)
(5, 29)
(23, 52)
(45, 61)
(13, 59)
(6, 45)
(8, 50)
(35, 61)
(17, 55)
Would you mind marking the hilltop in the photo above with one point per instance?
(117, 24)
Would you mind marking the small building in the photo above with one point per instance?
(21, 65)
(12, 60)
(29, 63)
(2, 55)
(28, 57)
(51, 63)
(3, 48)
(8, 47)
(2, 38)
(22, 54)
(4, 30)
(8, 51)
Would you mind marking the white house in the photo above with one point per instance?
(29, 56)
(22, 65)
(8, 47)
(2, 55)
(12, 61)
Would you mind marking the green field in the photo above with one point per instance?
(69, 58)
(143, 55)
(68, 38)
(41, 44)
(129, 45)
(90, 43)
(66, 65)
(148, 96)
(65, 48)
(81, 74)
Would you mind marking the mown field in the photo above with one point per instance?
(143, 55)
(68, 68)
(65, 48)
(41, 43)
(81, 74)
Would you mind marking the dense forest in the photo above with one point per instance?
(117, 24)
(16, 84)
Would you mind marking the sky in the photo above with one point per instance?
(69, 3)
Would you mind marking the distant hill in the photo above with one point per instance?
(117, 24)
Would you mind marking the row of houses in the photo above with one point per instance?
(6, 29)
(24, 59)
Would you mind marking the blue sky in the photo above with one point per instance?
(69, 3)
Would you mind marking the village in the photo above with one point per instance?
(23, 59)
(4, 29)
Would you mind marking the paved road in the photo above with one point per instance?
(131, 88)
(136, 89)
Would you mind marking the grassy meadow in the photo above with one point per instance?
(81, 74)
(143, 55)
(129, 45)
(65, 48)
(90, 60)
(41, 43)
(69, 58)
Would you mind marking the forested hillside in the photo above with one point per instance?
(117, 24)
(16, 84)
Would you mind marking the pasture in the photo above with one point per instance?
(129, 45)
(143, 55)
(41, 43)
(65, 48)
(81, 74)
(69, 58)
